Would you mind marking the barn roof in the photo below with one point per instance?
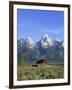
(42, 61)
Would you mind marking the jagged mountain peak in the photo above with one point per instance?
(28, 38)
(46, 41)
(29, 43)
(45, 36)
(20, 43)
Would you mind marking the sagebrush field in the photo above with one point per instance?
(29, 72)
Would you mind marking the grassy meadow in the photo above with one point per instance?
(50, 71)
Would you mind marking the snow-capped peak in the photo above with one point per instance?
(45, 36)
(28, 39)
(57, 40)
(20, 43)
(29, 43)
(46, 41)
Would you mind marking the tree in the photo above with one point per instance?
(21, 61)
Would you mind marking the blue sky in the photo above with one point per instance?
(37, 23)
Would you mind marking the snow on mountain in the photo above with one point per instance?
(46, 41)
(29, 43)
(56, 43)
(20, 43)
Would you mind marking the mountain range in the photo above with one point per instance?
(45, 48)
